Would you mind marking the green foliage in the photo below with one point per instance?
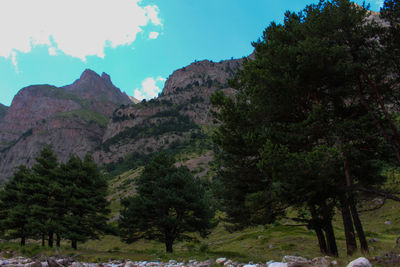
(67, 200)
(170, 121)
(298, 132)
(88, 115)
(169, 204)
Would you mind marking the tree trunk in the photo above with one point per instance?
(351, 243)
(43, 238)
(51, 239)
(74, 244)
(358, 226)
(58, 242)
(318, 230)
(168, 246)
(330, 237)
(23, 239)
(353, 209)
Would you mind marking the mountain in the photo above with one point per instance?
(72, 119)
(92, 115)
(178, 119)
(3, 110)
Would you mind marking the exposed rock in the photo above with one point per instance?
(388, 223)
(220, 261)
(278, 264)
(360, 262)
(295, 261)
(322, 262)
(71, 119)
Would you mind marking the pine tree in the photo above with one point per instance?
(14, 208)
(170, 203)
(87, 208)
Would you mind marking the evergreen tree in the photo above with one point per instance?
(14, 208)
(86, 207)
(170, 203)
(298, 123)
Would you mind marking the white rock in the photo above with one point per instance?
(129, 264)
(250, 265)
(220, 261)
(278, 264)
(388, 223)
(228, 262)
(360, 262)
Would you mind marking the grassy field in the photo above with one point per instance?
(257, 244)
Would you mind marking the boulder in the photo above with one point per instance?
(278, 264)
(296, 261)
(321, 262)
(129, 264)
(360, 262)
(220, 261)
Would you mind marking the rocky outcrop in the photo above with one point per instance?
(177, 113)
(101, 95)
(72, 119)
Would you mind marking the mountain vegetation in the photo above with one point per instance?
(170, 203)
(310, 124)
(52, 199)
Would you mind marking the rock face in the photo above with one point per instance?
(176, 115)
(72, 119)
(92, 115)
(3, 110)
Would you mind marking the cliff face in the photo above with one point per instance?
(3, 110)
(72, 119)
(92, 115)
(179, 113)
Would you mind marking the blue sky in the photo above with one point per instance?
(139, 43)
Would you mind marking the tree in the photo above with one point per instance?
(85, 204)
(42, 191)
(299, 124)
(14, 209)
(170, 203)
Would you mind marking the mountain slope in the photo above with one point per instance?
(177, 120)
(3, 110)
(72, 119)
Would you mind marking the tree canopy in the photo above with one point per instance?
(307, 123)
(169, 205)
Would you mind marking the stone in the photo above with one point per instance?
(260, 237)
(53, 263)
(250, 265)
(228, 262)
(373, 240)
(220, 261)
(278, 264)
(360, 262)
(296, 261)
(129, 264)
(321, 262)
(388, 222)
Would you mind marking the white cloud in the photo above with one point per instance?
(151, 87)
(154, 35)
(75, 27)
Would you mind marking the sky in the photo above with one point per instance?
(139, 43)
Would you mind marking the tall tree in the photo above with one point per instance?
(14, 208)
(87, 208)
(298, 118)
(170, 203)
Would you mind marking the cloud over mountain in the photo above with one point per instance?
(74, 27)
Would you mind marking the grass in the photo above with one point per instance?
(257, 244)
(88, 115)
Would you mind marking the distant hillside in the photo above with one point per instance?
(92, 115)
(72, 119)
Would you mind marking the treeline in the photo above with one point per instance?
(53, 200)
(313, 121)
